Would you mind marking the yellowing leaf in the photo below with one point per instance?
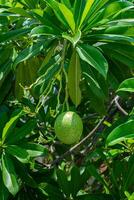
(86, 10)
(74, 75)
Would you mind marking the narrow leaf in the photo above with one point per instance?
(68, 16)
(75, 181)
(28, 53)
(14, 34)
(86, 10)
(74, 75)
(11, 124)
(93, 57)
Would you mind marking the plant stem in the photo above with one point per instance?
(64, 72)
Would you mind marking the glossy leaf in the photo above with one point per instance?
(55, 6)
(9, 175)
(86, 10)
(112, 38)
(11, 124)
(17, 152)
(23, 173)
(4, 194)
(75, 39)
(21, 132)
(93, 57)
(20, 11)
(34, 150)
(121, 133)
(127, 85)
(28, 53)
(68, 16)
(120, 53)
(63, 183)
(14, 34)
(78, 10)
(74, 75)
(3, 118)
(44, 30)
(75, 181)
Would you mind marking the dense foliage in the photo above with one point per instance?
(58, 56)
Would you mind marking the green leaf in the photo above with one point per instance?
(93, 172)
(50, 70)
(20, 11)
(95, 197)
(53, 192)
(67, 3)
(86, 10)
(95, 11)
(23, 173)
(21, 132)
(31, 3)
(94, 91)
(4, 194)
(55, 6)
(93, 57)
(29, 52)
(114, 8)
(3, 118)
(11, 124)
(9, 175)
(75, 39)
(75, 181)
(122, 39)
(68, 16)
(13, 34)
(129, 181)
(121, 133)
(74, 76)
(122, 53)
(6, 87)
(127, 85)
(19, 153)
(63, 182)
(78, 10)
(44, 30)
(34, 149)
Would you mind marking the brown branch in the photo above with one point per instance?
(96, 128)
(72, 149)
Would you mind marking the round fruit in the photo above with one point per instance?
(68, 127)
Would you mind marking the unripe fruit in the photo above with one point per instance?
(68, 127)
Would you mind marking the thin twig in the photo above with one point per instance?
(72, 149)
(97, 127)
(119, 106)
(79, 144)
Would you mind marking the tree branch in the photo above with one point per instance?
(72, 149)
(100, 126)
(119, 106)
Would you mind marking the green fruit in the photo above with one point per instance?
(68, 127)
